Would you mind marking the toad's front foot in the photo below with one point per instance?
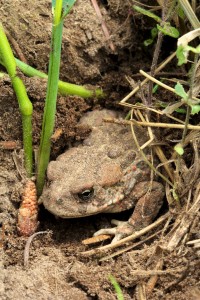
(122, 230)
(144, 213)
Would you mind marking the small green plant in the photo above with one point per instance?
(154, 33)
(116, 287)
(60, 10)
(164, 27)
(195, 107)
(25, 104)
(183, 49)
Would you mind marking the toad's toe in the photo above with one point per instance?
(122, 230)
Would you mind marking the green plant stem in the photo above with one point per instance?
(25, 104)
(64, 88)
(116, 287)
(50, 104)
(27, 143)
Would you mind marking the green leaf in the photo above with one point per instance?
(194, 50)
(175, 196)
(116, 287)
(147, 13)
(148, 42)
(183, 51)
(155, 88)
(181, 111)
(179, 149)
(181, 13)
(179, 90)
(66, 5)
(154, 33)
(195, 109)
(167, 29)
(181, 55)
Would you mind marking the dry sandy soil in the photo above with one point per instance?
(57, 269)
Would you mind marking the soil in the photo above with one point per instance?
(57, 269)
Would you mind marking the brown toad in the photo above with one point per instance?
(103, 175)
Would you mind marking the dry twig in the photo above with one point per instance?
(16, 47)
(96, 239)
(185, 223)
(8, 145)
(154, 278)
(28, 244)
(132, 237)
(103, 24)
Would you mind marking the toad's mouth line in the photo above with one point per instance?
(76, 216)
(83, 213)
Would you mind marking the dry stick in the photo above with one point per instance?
(9, 145)
(140, 116)
(184, 225)
(167, 14)
(131, 247)
(142, 107)
(164, 85)
(140, 291)
(157, 50)
(193, 242)
(16, 47)
(140, 150)
(153, 280)
(154, 64)
(103, 24)
(159, 112)
(96, 239)
(151, 124)
(27, 246)
(164, 162)
(129, 238)
(164, 125)
(162, 65)
(156, 272)
(151, 7)
(163, 74)
(157, 148)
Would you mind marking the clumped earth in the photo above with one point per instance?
(56, 268)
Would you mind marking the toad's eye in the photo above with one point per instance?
(87, 194)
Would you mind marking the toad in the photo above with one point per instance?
(104, 175)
